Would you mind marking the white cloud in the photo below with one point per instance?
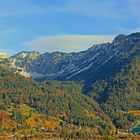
(67, 43)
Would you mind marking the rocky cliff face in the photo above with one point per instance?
(23, 59)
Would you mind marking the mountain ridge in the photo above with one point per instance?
(91, 65)
(85, 66)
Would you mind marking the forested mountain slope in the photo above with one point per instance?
(120, 94)
(54, 106)
(109, 73)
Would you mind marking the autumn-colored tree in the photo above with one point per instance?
(4, 119)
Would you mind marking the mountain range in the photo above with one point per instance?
(108, 73)
(98, 62)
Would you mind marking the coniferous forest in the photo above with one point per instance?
(69, 69)
(64, 109)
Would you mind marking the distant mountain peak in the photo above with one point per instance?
(119, 38)
(26, 53)
(136, 34)
(4, 55)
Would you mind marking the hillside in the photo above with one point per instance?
(108, 73)
(56, 107)
(119, 95)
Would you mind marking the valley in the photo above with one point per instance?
(88, 94)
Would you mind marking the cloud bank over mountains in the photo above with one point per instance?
(67, 43)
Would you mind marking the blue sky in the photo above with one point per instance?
(51, 25)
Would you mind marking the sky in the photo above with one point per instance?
(64, 25)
